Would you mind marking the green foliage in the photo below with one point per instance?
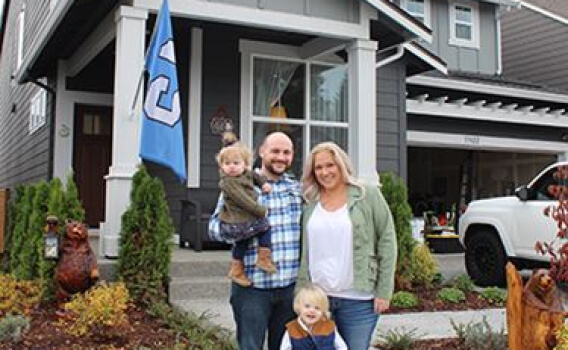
(451, 295)
(100, 311)
(395, 194)
(562, 338)
(424, 266)
(404, 299)
(13, 207)
(18, 297)
(33, 249)
(480, 336)
(73, 209)
(145, 241)
(203, 334)
(494, 295)
(13, 327)
(22, 247)
(396, 339)
(463, 283)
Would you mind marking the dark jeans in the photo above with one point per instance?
(259, 310)
(240, 247)
(355, 320)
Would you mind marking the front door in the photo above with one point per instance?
(92, 158)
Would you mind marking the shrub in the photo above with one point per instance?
(423, 265)
(18, 265)
(100, 311)
(463, 283)
(145, 240)
(562, 338)
(480, 336)
(73, 209)
(494, 295)
(13, 206)
(451, 295)
(404, 299)
(18, 297)
(13, 327)
(396, 339)
(203, 334)
(395, 194)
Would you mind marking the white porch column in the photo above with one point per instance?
(362, 108)
(130, 48)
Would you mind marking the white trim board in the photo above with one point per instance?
(544, 12)
(473, 112)
(240, 15)
(402, 20)
(463, 85)
(416, 51)
(482, 143)
(194, 109)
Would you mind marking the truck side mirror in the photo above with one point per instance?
(523, 193)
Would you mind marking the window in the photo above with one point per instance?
(20, 37)
(464, 24)
(419, 9)
(305, 99)
(38, 109)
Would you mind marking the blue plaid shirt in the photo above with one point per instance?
(284, 203)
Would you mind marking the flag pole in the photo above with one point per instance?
(140, 79)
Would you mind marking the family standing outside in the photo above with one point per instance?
(331, 231)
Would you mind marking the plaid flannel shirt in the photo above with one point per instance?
(284, 203)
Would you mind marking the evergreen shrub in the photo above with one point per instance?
(395, 194)
(146, 240)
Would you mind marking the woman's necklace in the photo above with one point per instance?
(333, 201)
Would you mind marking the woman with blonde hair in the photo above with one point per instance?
(349, 243)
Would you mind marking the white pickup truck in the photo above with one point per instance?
(496, 230)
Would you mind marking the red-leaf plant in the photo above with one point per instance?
(559, 213)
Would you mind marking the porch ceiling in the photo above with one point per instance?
(77, 23)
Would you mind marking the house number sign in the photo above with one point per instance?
(472, 140)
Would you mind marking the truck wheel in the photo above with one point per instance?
(485, 259)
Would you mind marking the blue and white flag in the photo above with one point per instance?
(161, 139)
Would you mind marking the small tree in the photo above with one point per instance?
(14, 206)
(23, 248)
(145, 241)
(73, 208)
(395, 193)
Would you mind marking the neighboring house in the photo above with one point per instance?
(534, 42)
(476, 133)
(239, 62)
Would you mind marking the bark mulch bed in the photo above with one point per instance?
(148, 332)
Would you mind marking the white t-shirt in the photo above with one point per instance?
(330, 252)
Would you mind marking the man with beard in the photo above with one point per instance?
(267, 305)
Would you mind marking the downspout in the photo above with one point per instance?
(51, 146)
(389, 59)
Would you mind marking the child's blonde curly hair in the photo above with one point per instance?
(314, 295)
(233, 149)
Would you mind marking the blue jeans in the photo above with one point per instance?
(240, 247)
(355, 320)
(258, 310)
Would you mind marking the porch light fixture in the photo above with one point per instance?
(221, 122)
(51, 240)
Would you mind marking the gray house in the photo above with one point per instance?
(69, 71)
(475, 132)
(534, 42)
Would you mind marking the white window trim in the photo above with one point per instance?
(427, 11)
(20, 37)
(38, 111)
(254, 49)
(475, 25)
(52, 4)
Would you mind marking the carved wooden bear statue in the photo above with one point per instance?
(77, 267)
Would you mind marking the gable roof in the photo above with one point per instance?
(555, 9)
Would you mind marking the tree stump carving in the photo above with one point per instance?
(534, 311)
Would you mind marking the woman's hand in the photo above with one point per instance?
(381, 305)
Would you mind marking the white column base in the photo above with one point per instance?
(118, 187)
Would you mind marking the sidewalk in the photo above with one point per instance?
(428, 325)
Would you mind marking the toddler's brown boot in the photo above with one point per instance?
(237, 274)
(264, 261)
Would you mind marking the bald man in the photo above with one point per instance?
(267, 304)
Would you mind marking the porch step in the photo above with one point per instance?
(195, 288)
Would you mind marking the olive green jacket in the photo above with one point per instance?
(374, 242)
